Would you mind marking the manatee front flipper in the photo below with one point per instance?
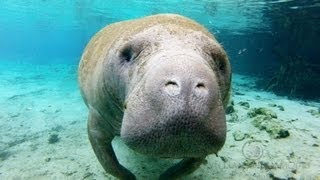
(100, 138)
(184, 167)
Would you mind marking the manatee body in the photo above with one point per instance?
(161, 83)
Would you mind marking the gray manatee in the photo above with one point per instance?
(161, 83)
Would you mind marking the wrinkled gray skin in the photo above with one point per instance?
(160, 83)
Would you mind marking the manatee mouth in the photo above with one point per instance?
(177, 137)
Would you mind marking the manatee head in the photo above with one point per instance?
(174, 83)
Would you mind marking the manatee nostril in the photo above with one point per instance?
(172, 88)
(200, 85)
(171, 83)
(201, 89)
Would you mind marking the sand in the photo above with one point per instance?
(43, 133)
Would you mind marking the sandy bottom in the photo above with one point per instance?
(43, 133)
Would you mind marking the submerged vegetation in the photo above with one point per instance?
(295, 78)
(295, 48)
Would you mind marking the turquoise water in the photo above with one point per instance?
(48, 31)
(273, 47)
(45, 31)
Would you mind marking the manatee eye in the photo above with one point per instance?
(130, 52)
(220, 64)
(219, 61)
(127, 54)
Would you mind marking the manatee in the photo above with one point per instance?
(161, 83)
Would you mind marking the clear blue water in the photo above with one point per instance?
(41, 42)
(44, 31)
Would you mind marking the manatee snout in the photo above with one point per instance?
(177, 112)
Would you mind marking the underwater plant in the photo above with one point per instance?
(296, 78)
(295, 36)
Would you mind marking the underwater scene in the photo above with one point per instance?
(189, 89)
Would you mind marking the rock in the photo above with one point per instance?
(260, 120)
(271, 126)
(314, 136)
(4, 155)
(54, 138)
(58, 128)
(238, 93)
(281, 108)
(283, 133)
(224, 159)
(272, 105)
(281, 174)
(86, 175)
(293, 120)
(15, 115)
(314, 112)
(245, 105)
(239, 136)
(233, 117)
(262, 111)
(267, 165)
(275, 177)
(69, 172)
(230, 109)
(291, 155)
(248, 163)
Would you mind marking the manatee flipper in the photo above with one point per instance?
(100, 139)
(184, 167)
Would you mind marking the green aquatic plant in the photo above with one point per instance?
(295, 52)
(295, 78)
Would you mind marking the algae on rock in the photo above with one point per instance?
(262, 111)
(271, 125)
(266, 119)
